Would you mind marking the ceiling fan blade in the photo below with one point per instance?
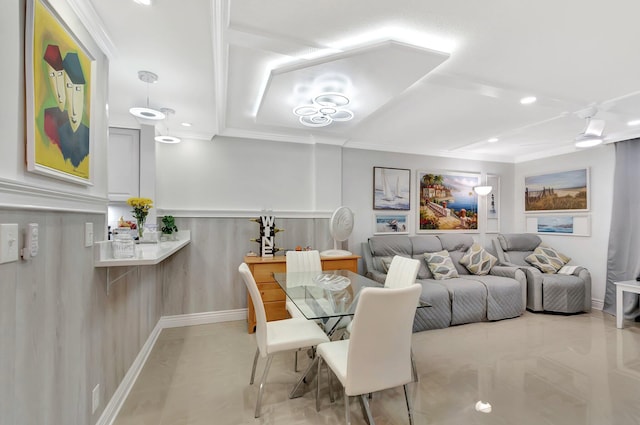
(594, 128)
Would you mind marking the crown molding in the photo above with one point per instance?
(94, 25)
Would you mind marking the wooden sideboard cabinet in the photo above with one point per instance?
(273, 296)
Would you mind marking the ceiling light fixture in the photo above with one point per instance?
(186, 124)
(493, 140)
(633, 123)
(588, 142)
(325, 109)
(147, 112)
(143, 2)
(167, 138)
(528, 100)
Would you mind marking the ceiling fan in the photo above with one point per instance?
(592, 134)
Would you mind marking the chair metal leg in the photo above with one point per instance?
(367, 409)
(347, 415)
(255, 362)
(318, 385)
(295, 361)
(406, 397)
(414, 369)
(264, 379)
(329, 373)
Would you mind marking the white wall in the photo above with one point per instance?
(239, 175)
(588, 251)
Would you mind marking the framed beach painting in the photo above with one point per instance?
(59, 85)
(561, 191)
(391, 189)
(387, 224)
(447, 202)
(559, 224)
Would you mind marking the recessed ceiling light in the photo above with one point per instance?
(186, 124)
(143, 2)
(528, 100)
(633, 123)
(492, 140)
(167, 139)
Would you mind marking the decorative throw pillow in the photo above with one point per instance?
(547, 259)
(477, 260)
(386, 263)
(441, 265)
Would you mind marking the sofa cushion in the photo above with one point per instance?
(477, 260)
(440, 265)
(456, 242)
(385, 262)
(390, 245)
(423, 271)
(547, 259)
(519, 241)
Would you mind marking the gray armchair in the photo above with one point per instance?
(560, 293)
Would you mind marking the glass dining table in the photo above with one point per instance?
(328, 296)
(325, 296)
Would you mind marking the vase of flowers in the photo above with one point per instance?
(141, 207)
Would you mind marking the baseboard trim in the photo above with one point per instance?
(597, 304)
(112, 408)
(202, 318)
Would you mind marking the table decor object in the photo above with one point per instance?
(141, 207)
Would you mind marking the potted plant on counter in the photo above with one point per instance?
(169, 227)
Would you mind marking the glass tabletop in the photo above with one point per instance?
(326, 294)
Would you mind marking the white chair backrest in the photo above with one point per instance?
(402, 272)
(258, 306)
(303, 261)
(380, 343)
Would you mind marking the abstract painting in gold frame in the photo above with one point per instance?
(59, 86)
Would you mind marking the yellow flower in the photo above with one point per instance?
(141, 206)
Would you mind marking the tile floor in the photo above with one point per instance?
(536, 369)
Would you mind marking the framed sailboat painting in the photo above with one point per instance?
(391, 189)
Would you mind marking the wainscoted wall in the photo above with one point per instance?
(62, 334)
(203, 276)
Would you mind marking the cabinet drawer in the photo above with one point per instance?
(271, 292)
(341, 265)
(264, 272)
(276, 310)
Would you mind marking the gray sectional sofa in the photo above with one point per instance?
(501, 294)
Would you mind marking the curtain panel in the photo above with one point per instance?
(623, 259)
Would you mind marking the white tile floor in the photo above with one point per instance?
(536, 369)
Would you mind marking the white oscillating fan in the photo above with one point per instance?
(340, 226)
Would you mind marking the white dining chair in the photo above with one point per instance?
(377, 356)
(402, 273)
(276, 336)
(301, 261)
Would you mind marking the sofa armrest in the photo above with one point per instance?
(515, 273)
(504, 271)
(584, 274)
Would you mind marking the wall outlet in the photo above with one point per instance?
(9, 242)
(31, 243)
(88, 234)
(95, 399)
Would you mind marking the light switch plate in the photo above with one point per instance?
(9, 243)
(88, 234)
